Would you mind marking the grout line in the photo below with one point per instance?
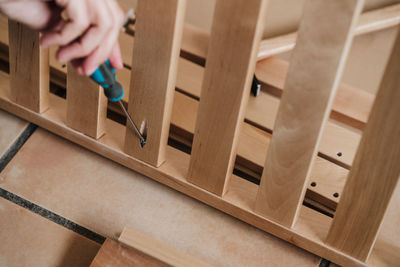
(6, 158)
(324, 263)
(16, 146)
(52, 216)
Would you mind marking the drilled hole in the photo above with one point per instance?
(336, 195)
(63, 66)
(339, 154)
(313, 184)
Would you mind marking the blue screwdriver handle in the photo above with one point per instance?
(105, 76)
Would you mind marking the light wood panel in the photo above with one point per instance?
(116, 254)
(375, 171)
(369, 22)
(154, 68)
(29, 68)
(154, 248)
(313, 77)
(225, 90)
(238, 202)
(86, 104)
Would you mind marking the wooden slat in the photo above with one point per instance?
(313, 77)
(154, 248)
(375, 171)
(370, 21)
(154, 68)
(228, 74)
(29, 68)
(116, 254)
(86, 104)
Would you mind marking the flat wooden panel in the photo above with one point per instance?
(154, 67)
(116, 254)
(86, 104)
(228, 74)
(313, 77)
(29, 68)
(154, 248)
(375, 171)
(27, 239)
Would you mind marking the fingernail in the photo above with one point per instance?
(90, 70)
(79, 70)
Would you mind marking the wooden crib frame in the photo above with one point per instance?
(313, 77)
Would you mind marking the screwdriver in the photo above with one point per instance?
(105, 76)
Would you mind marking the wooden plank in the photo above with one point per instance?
(116, 254)
(86, 104)
(305, 106)
(375, 171)
(217, 125)
(370, 21)
(238, 202)
(154, 69)
(154, 248)
(29, 68)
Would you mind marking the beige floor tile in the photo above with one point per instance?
(28, 239)
(10, 128)
(104, 197)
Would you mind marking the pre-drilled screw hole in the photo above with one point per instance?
(336, 194)
(339, 154)
(313, 184)
(63, 66)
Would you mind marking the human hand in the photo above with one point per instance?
(87, 37)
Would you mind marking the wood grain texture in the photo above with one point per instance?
(314, 75)
(116, 254)
(29, 68)
(154, 248)
(86, 104)
(154, 67)
(375, 171)
(225, 90)
(370, 21)
(238, 201)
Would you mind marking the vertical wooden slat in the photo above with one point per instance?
(316, 67)
(86, 104)
(29, 68)
(154, 67)
(235, 36)
(374, 173)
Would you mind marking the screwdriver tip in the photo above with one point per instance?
(142, 142)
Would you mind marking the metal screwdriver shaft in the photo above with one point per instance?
(105, 77)
(142, 139)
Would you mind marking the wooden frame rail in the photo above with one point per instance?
(220, 133)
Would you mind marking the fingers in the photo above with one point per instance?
(109, 46)
(77, 24)
(90, 34)
(115, 57)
